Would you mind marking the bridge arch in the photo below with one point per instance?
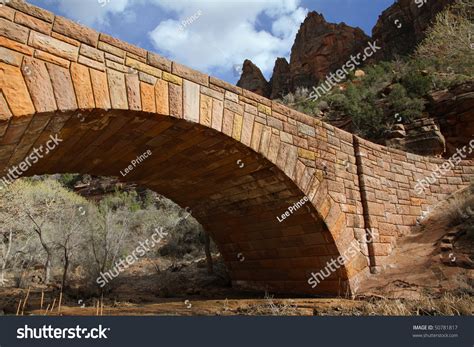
(237, 160)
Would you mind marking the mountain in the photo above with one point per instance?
(321, 47)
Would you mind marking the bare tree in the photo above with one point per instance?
(68, 237)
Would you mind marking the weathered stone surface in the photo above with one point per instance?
(66, 39)
(33, 23)
(5, 114)
(144, 77)
(62, 87)
(92, 53)
(101, 89)
(190, 74)
(237, 127)
(206, 111)
(34, 11)
(118, 93)
(52, 58)
(227, 122)
(39, 84)
(7, 13)
(13, 31)
(138, 65)
(140, 52)
(172, 78)
(159, 62)
(15, 91)
(217, 114)
(72, 29)
(53, 46)
(4, 42)
(212, 93)
(133, 92)
(148, 97)
(111, 49)
(162, 98)
(191, 101)
(82, 85)
(176, 100)
(247, 128)
(91, 63)
(10, 57)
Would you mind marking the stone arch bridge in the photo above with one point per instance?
(239, 161)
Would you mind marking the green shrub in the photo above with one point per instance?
(447, 46)
(408, 108)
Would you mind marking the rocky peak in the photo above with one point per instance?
(321, 47)
(281, 79)
(252, 79)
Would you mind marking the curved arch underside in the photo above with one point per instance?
(234, 192)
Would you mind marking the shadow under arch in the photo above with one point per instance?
(237, 194)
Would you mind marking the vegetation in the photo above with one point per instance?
(47, 227)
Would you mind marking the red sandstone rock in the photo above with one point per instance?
(402, 26)
(321, 47)
(453, 110)
(252, 79)
(281, 79)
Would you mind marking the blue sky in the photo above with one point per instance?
(214, 36)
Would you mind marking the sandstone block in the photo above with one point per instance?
(118, 92)
(176, 100)
(53, 46)
(15, 91)
(39, 84)
(13, 31)
(190, 74)
(162, 98)
(101, 89)
(82, 86)
(72, 29)
(191, 101)
(62, 87)
(148, 97)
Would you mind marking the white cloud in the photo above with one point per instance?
(227, 32)
(223, 34)
(90, 12)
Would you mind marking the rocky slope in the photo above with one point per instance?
(453, 110)
(402, 26)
